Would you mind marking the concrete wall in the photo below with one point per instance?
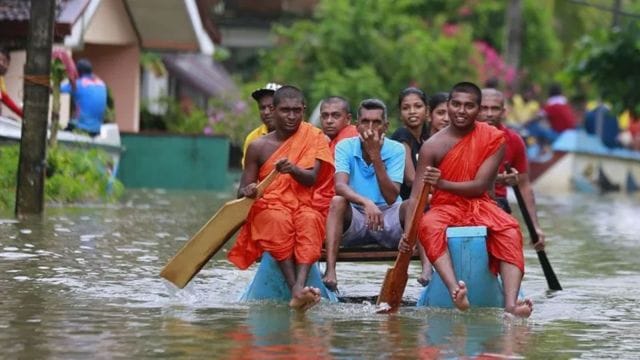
(174, 162)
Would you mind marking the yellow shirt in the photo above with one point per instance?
(254, 134)
(522, 111)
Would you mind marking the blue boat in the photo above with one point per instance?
(468, 249)
(269, 284)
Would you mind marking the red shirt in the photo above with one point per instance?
(561, 117)
(515, 154)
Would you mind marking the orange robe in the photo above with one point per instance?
(325, 191)
(284, 222)
(461, 163)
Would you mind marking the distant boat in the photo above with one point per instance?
(580, 162)
(108, 139)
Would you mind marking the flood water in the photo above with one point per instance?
(82, 282)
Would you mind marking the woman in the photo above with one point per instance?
(438, 112)
(414, 109)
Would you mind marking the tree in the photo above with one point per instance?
(361, 49)
(610, 62)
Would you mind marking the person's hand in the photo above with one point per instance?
(431, 175)
(403, 246)
(250, 191)
(372, 143)
(374, 216)
(284, 166)
(541, 240)
(511, 178)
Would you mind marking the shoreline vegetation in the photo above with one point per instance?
(73, 176)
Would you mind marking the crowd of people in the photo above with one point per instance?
(349, 184)
(543, 121)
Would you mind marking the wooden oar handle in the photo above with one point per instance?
(262, 186)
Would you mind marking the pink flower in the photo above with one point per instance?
(449, 29)
(208, 131)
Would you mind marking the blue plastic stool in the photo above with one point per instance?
(269, 283)
(468, 249)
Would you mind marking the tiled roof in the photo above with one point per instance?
(18, 10)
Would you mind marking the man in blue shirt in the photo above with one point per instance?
(367, 208)
(602, 123)
(89, 94)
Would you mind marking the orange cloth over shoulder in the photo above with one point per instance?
(325, 191)
(461, 163)
(284, 221)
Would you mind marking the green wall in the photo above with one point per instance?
(174, 161)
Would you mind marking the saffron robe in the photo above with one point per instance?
(461, 163)
(327, 190)
(284, 221)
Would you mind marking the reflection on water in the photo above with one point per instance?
(82, 282)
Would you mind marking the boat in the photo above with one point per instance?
(268, 283)
(108, 139)
(580, 162)
(468, 249)
(469, 255)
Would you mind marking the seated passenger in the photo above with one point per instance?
(367, 208)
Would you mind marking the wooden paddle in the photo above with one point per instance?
(396, 278)
(549, 274)
(211, 238)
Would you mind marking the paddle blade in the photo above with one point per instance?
(392, 289)
(206, 242)
(211, 237)
(549, 274)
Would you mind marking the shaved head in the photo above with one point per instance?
(493, 93)
(492, 108)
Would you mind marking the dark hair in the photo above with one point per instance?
(288, 92)
(437, 99)
(468, 88)
(84, 67)
(413, 90)
(337, 100)
(4, 51)
(555, 89)
(373, 104)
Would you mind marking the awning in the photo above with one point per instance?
(200, 72)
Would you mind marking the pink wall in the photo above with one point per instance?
(119, 67)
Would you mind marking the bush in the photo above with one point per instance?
(73, 175)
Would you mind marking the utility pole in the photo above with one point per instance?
(514, 38)
(31, 166)
(615, 23)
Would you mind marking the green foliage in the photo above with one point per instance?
(362, 49)
(610, 62)
(73, 175)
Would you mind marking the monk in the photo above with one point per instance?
(335, 120)
(468, 154)
(284, 221)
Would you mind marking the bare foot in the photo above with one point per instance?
(425, 278)
(330, 281)
(522, 308)
(305, 298)
(459, 296)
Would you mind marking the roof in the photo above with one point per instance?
(159, 24)
(200, 72)
(14, 18)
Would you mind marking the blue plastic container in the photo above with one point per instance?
(269, 283)
(468, 249)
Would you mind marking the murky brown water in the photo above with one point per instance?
(83, 283)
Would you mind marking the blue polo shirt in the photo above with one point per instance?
(90, 98)
(362, 176)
